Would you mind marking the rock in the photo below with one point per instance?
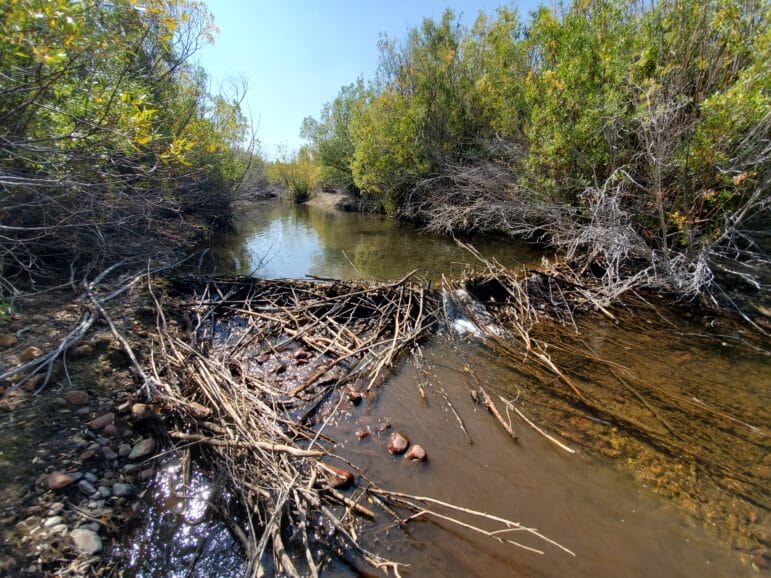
(33, 382)
(86, 487)
(105, 491)
(30, 353)
(101, 421)
(338, 478)
(76, 397)
(355, 397)
(55, 508)
(86, 455)
(91, 477)
(383, 427)
(79, 351)
(110, 429)
(362, 434)
(124, 450)
(146, 474)
(416, 454)
(102, 441)
(398, 443)
(93, 526)
(262, 358)
(122, 490)
(142, 448)
(108, 453)
(301, 354)
(140, 411)
(58, 480)
(131, 468)
(52, 521)
(59, 529)
(86, 541)
(8, 340)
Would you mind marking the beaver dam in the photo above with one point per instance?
(276, 391)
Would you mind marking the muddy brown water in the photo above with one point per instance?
(629, 516)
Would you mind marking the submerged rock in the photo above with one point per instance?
(398, 443)
(86, 541)
(416, 454)
(8, 340)
(76, 397)
(59, 480)
(122, 490)
(30, 353)
(142, 448)
(101, 421)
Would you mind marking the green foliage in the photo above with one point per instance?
(299, 175)
(99, 98)
(670, 93)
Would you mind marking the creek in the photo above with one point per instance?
(621, 507)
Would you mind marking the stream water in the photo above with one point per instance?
(628, 516)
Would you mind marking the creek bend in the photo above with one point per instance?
(627, 516)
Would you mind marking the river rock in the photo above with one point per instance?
(122, 490)
(8, 340)
(86, 541)
(398, 443)
(76, 397)
(82, 350)
(86, 487)
(33, 382)
(98, 423)
(338, 477)
(140, 411)
(109, 453)
(58, 480)
(52, 521)
(124, 450)
(362, 434)
(416, 454)
(30, 353)
(59, 529)
(105, 491)
(110, 429)
(146, 474)
(142, 448)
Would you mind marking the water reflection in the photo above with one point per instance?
(282, 240)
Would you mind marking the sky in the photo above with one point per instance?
(296, 54)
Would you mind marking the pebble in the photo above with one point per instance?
(124, 450)
(93, 526)
(131, 468)
(338, 478)
(82, 350)
(86, 541)
(30, 353)
(59, 529)
(101, 421)
(110, 429)
(87, 455)
(33, 382)
(8, 340)
(109, 453)
(355, 397)
(362, 433)
(55, 508)
(76, 397)
(52, 521)
(93, 446)
(83, 411)
(102, 441)
(122, 490)
(398, 443)
(146, 474)
(58, 480)
(416, 454)
(140, 411)
(91, 477)
(105, 491)
(86, 487)
(142, 448)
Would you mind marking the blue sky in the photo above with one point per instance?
(296, 54)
